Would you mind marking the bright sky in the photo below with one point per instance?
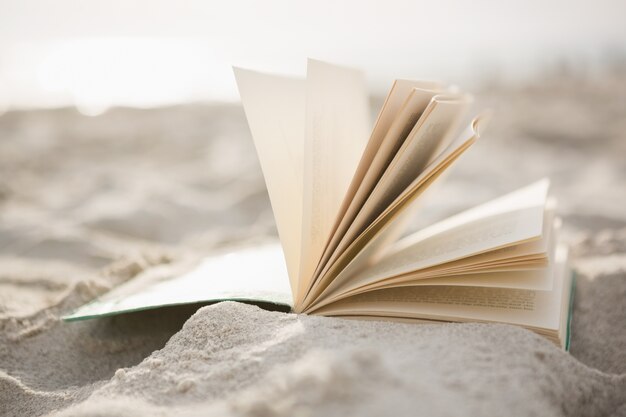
(97, 54)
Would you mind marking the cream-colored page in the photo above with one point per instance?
(405, 119)
(488, 227)
(395, 100)
(431, 130)
(425, 136)
(336, 132)
(566, 294)
(532, 195)
(411, 160)
(533, 309)
(274, 108)
(256, 274)
(515, 266)
(354, 258)
(442, 161)
(477, 237)
(528, 255)
(534, 250)
(368, 246)
(528, 266)
(423, 143)
(533, 279)
(523, 268)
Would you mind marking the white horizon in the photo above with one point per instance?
(63, 53)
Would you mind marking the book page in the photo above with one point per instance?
(252, 274)
(526, 266)
(479, 236)
(435, 127)
(427, 135)
(352, 260)
(396, 100)
(274, 108)
(533, 279)
(336, 131)
(404, 121)
(532, 195)
(532, 309)
(368, 246)
(496, 268)
(513, 218)
(429, 258)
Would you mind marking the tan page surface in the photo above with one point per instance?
(336, 131)
(473, 238)
(395, 100)
(426, 136)
(534, 309)
(397, 131)
(354, 257)
(274, 108)
(532, 195)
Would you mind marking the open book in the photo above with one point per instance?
(342, 195)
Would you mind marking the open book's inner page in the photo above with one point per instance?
(532, 195)
(404, 96)
(529, 272)
(274, 108)
(383, 147)
(369, 242)
(476, 237)
(533, 309)
(426, 140)
(494, 225)
(430, 133)
(336, 132)
(526, 266)
(255, 274)
(522, 266)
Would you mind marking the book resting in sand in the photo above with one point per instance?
(342, 195)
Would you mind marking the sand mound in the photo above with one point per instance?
(235, 359)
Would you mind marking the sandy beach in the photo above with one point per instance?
(87, 203)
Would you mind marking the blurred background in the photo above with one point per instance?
(121, 133)
(100, 54)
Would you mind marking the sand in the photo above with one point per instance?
(87, 203)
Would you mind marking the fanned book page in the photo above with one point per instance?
(342, 192)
